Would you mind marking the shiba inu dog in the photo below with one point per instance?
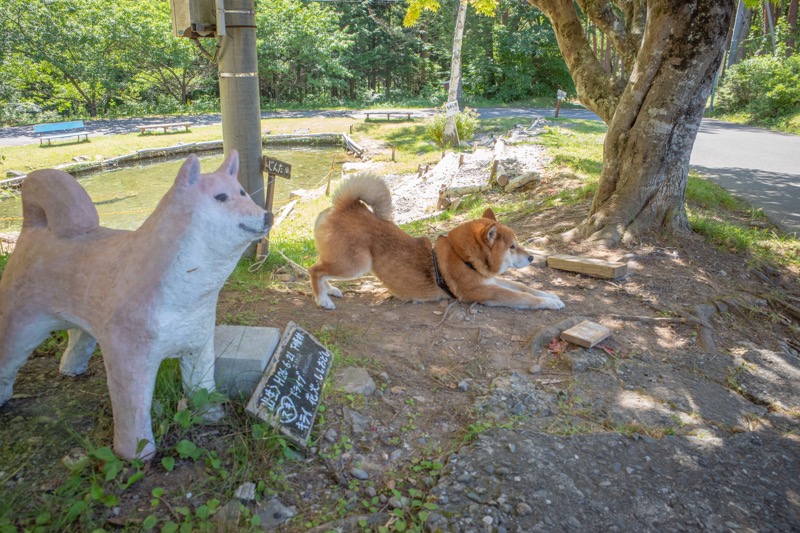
(353, 240)
(144, 295)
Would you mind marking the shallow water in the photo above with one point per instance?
(125, 197)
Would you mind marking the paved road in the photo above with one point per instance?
(758, 165)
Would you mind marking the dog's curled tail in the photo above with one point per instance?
(367, 188)
(53, 199)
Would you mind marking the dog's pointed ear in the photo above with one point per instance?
(491, 235)
(489, 214)
(189, 174)
(231, 164)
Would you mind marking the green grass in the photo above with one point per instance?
(723, 220)
(787, 123)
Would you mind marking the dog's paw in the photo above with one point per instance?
(325, 303)
(550, 303)
(335, 292)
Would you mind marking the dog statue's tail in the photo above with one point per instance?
(367, 188)
(53, 199)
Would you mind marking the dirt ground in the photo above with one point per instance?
(702, 346)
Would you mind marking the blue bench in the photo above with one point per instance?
(76, 125)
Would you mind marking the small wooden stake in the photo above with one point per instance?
(393, 149)
(586, 334)
(588, 265)
(460, 160)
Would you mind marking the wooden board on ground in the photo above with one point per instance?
(586, 334)
(289, 392)
(588, 265)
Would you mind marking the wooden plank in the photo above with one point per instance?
(586, 334)
(588, 265)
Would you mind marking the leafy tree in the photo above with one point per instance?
(167, 65)
(669, 53)
(300, 47)
(79, 43)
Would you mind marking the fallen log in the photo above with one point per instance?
(520, 181)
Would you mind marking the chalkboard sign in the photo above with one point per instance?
(288, 394)
(277, 168)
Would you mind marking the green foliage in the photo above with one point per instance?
(764, 87)
(466, 124)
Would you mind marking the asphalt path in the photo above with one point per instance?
(757, 165)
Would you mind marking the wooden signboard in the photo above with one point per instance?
(289, 392)
(275, 167)
(588, 265)
(451, 108)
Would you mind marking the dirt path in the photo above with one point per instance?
(685, 419)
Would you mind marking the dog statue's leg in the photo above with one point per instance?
(131, 371)
(17, 341)
(197, 372)
(516, 286)
(79, 350)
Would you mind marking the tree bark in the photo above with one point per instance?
(791, 17)
(450, 137)
(653, 113)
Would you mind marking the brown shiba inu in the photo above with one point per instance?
(353, 240)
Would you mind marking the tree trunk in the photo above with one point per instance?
(450, 137)
(652, 131)
(791, 18)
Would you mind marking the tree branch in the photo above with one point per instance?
(597, 89)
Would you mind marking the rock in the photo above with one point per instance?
(227, 518)
(273, 513)
(585, 358)
(356, 420)
(359, 474)
(463, 385)
(395, 503)
(246, 491)
(355, 380)
(523, 509)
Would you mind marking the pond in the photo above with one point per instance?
(125, 197)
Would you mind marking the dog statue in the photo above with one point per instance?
(144, 295)
(353, 240)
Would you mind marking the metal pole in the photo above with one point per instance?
(239, 95)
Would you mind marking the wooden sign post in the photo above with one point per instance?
(290, 391)
(560, 95)
(273, 167)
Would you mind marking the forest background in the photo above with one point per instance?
(64, 59)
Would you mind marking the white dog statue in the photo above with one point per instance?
(144, 295)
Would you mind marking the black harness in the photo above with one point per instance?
(437, 275)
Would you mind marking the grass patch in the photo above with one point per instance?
(786, 123)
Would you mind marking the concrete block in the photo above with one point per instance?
(242, 354)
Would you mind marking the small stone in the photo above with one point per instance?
(463, 385)
(358, 473)
(474, 497)
(396, 454)
(246, 491)
(523, 509)
(574, 522)
(273, 513)
(371, 492)
(355, 380)
(535, 369)
(512, 447)
(487, 520)
(464, 478)
(331, 435)
(384, 377)
(395, 503)
(473, 311)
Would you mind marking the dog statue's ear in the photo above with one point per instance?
(489, 214)
(491, 234)
(231, 164)
(189, 174)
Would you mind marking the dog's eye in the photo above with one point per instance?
(221, 197)
(241, 191)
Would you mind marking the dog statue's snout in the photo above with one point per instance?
(268, 218)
